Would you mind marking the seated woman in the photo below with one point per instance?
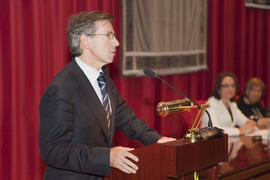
(224, 111)
(250, 104)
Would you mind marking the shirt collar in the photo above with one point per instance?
(88, 69)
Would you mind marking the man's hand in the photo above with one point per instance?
(165, 139)
(119, 159)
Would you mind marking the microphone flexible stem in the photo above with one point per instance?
(178, 91)
(151, 73)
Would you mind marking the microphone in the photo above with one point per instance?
(205, 132)
(151, 73)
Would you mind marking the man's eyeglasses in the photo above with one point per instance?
(228, 85)
(108, 35)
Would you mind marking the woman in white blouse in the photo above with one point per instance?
(223, 109)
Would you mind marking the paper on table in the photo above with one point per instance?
(259, 132)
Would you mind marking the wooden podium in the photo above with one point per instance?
(173, 159)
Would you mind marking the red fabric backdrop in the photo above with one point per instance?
(33, 48)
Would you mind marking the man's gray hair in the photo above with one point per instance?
(83, 23)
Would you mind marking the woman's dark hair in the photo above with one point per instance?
(216, 92)
(253, 82)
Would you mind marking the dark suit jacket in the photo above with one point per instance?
(74, 140)
(250, 109)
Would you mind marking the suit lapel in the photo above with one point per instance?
(89, 97)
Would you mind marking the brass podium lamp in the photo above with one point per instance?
(183, 105)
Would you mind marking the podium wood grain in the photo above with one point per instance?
(172, 159)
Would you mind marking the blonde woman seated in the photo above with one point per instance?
(250, 104)
(223, 109)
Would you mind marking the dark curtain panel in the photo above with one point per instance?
(33, 48)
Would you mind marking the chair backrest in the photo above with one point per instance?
(263, 105)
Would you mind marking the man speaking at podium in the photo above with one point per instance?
(81, 108)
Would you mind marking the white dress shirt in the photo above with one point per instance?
(221, 117)
(92, 75)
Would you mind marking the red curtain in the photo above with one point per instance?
(33, 48)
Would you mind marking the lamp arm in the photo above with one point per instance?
(199, 115)
(195, 122)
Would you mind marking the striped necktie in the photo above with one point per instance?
(105, 96)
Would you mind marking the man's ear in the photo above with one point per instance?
(84, 41)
